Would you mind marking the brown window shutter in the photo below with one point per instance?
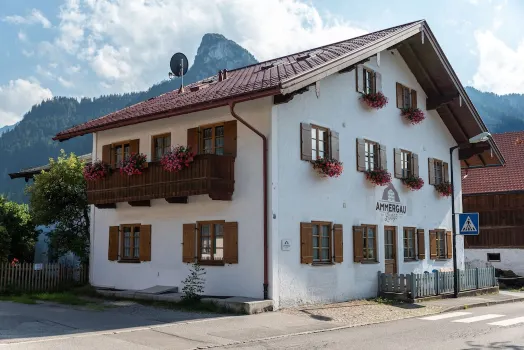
(431, 171)
(134, 146)
(359, 76)
(432, 245)
(231, 242)
(378, 82)
(361, 155)
(230, 138)
(193, 140)
(306, 243)
(449, 245)
(383, 157)
(145, 243)
(445, 171)
(338, 239)
(358, 243)
(305, 139)
(421, 241)
(414, 164)
(398, 163)
(400, 101)
(414, 98)
(334, 146)
(106, 154)
(189, 243)
(112, 251)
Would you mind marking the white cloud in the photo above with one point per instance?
(35, 17)
(65, 83)
(27, 53)
(17, 97)
(44, 72)
(22, 36)
(500, 66)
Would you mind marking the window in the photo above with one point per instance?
(493, 256)
(437, 165)
(441, 244)
(370, 243)
(321, 232)
(438, 171)
(389, 242)
(121, 151)
(405, 163)
(371, 153)
(369, 81)
(161, 144)
(213, 139)
(130, 242)
(406, 97)
(319, 142)
(211, 241)
(409, 243)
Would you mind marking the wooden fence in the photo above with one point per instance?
(29, 278)
(435, 283)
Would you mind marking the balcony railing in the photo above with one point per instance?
(208, 174)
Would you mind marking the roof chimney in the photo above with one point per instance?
(220, 76)
(224, 74)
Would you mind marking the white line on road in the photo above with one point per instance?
(509, 322)
(478, 318)
(447, 315)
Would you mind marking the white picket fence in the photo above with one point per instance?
(421, 285)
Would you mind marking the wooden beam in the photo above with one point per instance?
(142, 203)
(466, 153)
(280, 99)
(435, 102)
(406, 51)
(179, 200)
(106, 206)
(352, 67)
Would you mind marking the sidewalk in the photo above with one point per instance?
(452, 304)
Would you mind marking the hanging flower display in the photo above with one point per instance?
(375, 100)
(414, 183)
(328, 167)
(178, 158)
(96, 171)
(378, 177)
(444, 189)
(134, 164)
(414, 115)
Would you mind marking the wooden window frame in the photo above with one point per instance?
(212, 224)
(114, 145)
(315, 141)
(201, 140)
(329, 261)
(408, 168)
(376, 154)
(373, 78)
(414, 240)
(153, 149)
(393, 243)
(443, 240)
(404, 88)
(365, 259)
(123, 258)
(438, 165)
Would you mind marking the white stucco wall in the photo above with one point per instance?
(350, 200)
(166, 220)
(510, 259)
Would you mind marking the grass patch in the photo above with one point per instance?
(66, 298)
(22, 299)
(385, 301)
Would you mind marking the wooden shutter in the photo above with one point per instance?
(449, 245)
(378, 81)
(193, 140)
(305, 140)
(398, 163)
(231, 242)
(106, 154)
(112, 251)
(189, 243)
(134, 146)
(359, 75)
(361, 155)
(306, 243)
(414, 164)
(383, 158)
(145, 243)
(421, 242)
(230, 138)
(431, 171)
(414, 98)
(333, 144)
(445, 171)
(432, 245)
(400, 91)
(338, 239)
(358, 243)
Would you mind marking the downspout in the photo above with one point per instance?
(264, 176)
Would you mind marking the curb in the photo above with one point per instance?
(482, 304)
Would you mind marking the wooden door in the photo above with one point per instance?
(390, 249)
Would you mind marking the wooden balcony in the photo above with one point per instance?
(208, 174)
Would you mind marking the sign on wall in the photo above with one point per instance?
(286, 244)
(469, 224)
(390, 206)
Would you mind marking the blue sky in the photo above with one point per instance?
(93, 47)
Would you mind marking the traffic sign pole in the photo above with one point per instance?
(453, 229)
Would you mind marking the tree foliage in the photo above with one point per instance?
(17, 232)
(58, 198)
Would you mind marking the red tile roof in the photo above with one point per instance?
(262, 79)
(509, 177)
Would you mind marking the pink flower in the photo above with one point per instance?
(413, 183)
(378, 177)
(375, 100)
(328, 167)
(95, 171)
(176, 159)
(414, 115)
(134, 164)
(444, 189)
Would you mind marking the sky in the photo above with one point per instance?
(95, 47)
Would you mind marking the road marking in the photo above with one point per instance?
(478, 318)
(447, 315)
(509, 322)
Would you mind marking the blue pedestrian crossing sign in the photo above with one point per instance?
(469, 224)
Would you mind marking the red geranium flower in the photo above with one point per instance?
(328, 167)
(375, 100)
(177, 159)
(414, 115)
(378, 177)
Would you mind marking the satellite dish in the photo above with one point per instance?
(179, 64)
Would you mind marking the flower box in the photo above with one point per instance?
(96, 170)
(375, 100)
(379, 177)
(328, 167)
(413, 115)
(414, 183)
(134, 164)
(444, 189)
(178, 158)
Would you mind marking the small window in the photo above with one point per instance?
(389, 242)
(441, 244)
(321, 242)
(370, 243)
(319, 142)
(406, 97)
(438, 168)
(211, 241)
(121, 151)
(130, 242)
(406, 163)
(493, 256)
(369, 81)
(371, 155)
(213, 139)
(409, 243)
(161, 145)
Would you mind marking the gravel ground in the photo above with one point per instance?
(363, 312)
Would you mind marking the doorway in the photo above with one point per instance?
(390, 248)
